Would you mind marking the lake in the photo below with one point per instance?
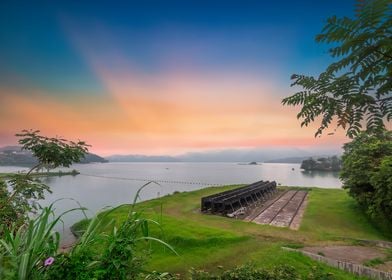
(110, 184)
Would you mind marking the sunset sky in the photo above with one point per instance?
(161, 77)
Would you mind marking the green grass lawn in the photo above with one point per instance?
(208, 242)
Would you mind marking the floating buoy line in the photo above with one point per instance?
(152, 180)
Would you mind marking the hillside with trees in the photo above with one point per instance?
(15, 156)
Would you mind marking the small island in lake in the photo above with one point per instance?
(333, 163)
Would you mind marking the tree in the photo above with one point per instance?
(19, 195)
(382, 182)
(308, 164)
(367, 172)
(357, 88)
(336, 163)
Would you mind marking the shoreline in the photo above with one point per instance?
(42, 174)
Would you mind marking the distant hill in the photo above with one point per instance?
(10, 148)
(14, 156)
(141, 158)
(89, 158)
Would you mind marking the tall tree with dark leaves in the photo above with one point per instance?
(356, 90)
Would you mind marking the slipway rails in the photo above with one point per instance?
(260, 203)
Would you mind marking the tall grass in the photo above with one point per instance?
(23, 249)
(32, 251)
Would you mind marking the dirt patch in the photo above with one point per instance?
(353, 254)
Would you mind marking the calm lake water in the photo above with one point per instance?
(110, 184)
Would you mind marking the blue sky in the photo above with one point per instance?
(73, 52)
(219, 34)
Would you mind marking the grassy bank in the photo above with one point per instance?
(44, 174)
(208, 242)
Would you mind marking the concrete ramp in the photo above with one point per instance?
(283, 211)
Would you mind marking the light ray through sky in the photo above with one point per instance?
(161, 77)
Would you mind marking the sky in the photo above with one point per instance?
(161, 77)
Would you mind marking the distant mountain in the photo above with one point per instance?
(14, 156)
(283, 155)
(141, 158)
(10, 148)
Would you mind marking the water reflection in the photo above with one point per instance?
(322, 174)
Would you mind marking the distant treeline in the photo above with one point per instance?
(333, 163)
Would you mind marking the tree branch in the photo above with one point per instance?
(34, 167)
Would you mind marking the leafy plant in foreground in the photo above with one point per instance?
(122, 254)
(24, 249)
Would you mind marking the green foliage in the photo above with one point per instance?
(250, 272)
(367, 172)
(75, 267)
(53, 152)
(382, 183)
(19, 195)
(123, 254)
(21, 200)
(23, 249)
(121, 259)
(357, 87)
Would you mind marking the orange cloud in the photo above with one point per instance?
(172, 111)
(150, 116)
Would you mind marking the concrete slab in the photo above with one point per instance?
(284, 211)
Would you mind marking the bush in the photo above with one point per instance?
(70, 267)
